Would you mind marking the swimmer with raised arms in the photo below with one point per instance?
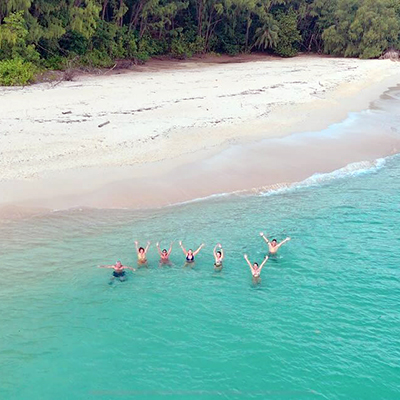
(255, 268)
(119, 270)
(164, 255)
(141, 254)
(190, 254)
(274, 246)
(218, 256)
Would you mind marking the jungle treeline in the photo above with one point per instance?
(54, 34)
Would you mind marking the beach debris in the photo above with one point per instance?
(103, 124)
(124, 64)
(109, 70)
(66, 112)
(391, 54)
(69, 75)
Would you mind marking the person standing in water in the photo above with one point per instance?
(255, 268)
(190, 254)
(164, 255)
(218, 256)
(274, 246)
(141, 254)
(119, 270)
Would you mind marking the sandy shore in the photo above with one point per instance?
(176, 118)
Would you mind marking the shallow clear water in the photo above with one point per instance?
(323, 323)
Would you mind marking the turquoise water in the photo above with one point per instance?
(323, 323)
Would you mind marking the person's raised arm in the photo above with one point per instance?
(147, 247)
(158, 248)
(248, 262)
(215, 251)
(197, 251)
(283, 242)
(220, 249)
(263, 236)
(170, 249)
(106, 266)
(183, 249)
(127, 267)
(263, 263)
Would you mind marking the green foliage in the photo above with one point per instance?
(362, 29)
(198, 45)
(84, 19)
(267, 35)
(232, 49)
(16, 72)
(49, 33)
(185, 45)
(74, 42)
(289, 36)
(55, 63)
(180, 48)
(14, 39)
(96, 59)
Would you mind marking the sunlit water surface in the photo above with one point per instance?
(323, 323)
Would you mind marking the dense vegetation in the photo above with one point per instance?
(54, 34)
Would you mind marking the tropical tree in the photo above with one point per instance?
(362, 29)
(267, 36)
(55, 33)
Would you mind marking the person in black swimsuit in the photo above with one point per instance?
(190, 254)
(119, 271)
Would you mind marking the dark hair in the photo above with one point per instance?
(256, 264)
(274, 240)
(164, 251)
(218, 252)
(141, 248)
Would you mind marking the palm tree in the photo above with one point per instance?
(267, 35)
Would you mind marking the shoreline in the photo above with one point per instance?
(11, 213)
(195, 156)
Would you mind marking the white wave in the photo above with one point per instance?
(205, 198)
(349, 171)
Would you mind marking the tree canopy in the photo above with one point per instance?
(96, 32)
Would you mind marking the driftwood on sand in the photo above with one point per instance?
(103, 124)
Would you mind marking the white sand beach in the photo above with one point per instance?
(166, 115)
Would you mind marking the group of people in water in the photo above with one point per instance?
(218, 252)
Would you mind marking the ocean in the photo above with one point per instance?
(323, 323)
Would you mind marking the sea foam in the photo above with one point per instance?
(349, 171)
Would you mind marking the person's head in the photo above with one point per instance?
(274, 242)
(190, 252)
(255, 265)
(141, 250)
(118, 264)
(164, 252)
(219, 254)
